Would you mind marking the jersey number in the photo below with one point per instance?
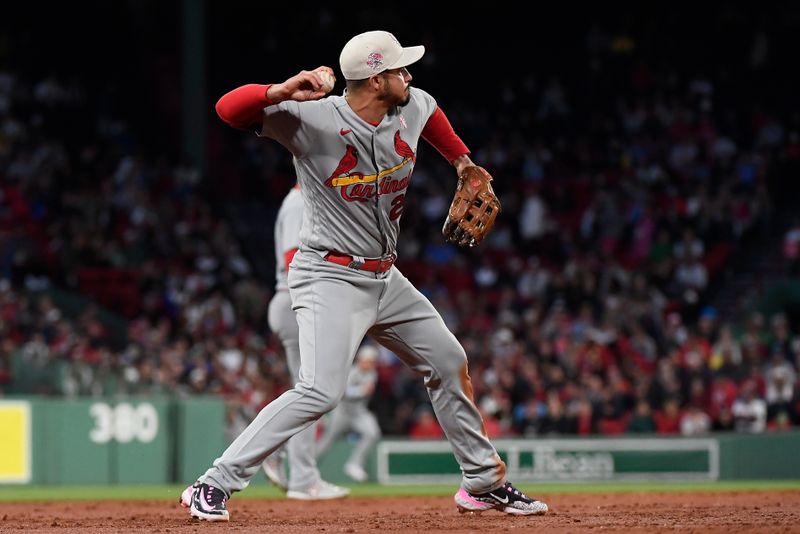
(397, 207)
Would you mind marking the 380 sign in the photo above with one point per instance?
(123, 423)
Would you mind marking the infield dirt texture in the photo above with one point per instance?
(700, 512)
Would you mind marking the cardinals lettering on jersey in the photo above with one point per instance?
(359, 187)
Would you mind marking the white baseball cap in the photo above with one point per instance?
(367, 352)
(371, 53)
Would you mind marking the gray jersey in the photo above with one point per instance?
(355, 175)
(287, 228)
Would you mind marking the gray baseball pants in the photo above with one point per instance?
(336, 307)
(301, 447)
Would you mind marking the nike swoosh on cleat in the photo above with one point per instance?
(504, 501)
(342, 131)
(202, 500)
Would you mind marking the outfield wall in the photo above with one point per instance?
(157, 440)
(726, 456)
(151, 440)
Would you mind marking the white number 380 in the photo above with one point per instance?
(123, 422)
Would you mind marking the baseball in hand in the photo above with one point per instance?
(327, 80)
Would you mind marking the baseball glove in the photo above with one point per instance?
(473, 209)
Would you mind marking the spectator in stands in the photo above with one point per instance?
(585, 420)
(689, 247)
(724, 421)
(782, 421)
(491, 422)
(643, 343)
(695, 421)
(691, 278)
(425, 425)
(754, 332)
(726, 353)
(526, 417)
(749, 411)
(667, 419)
(781, 339)
(533, 221)
(781, 381)
(791, 247)
(642, 421)
(36, 367)
(555, 419)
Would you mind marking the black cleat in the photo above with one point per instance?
(506, 499)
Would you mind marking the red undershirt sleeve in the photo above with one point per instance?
(288, 256)
(242, 107)
(440, 134)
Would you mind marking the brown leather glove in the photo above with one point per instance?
(473, 209)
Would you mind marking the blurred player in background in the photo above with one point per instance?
(353, 413)
(304, 481)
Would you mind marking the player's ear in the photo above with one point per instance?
(375, 81)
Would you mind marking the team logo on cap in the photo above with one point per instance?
(375, 60)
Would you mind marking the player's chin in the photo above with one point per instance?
(406, 99)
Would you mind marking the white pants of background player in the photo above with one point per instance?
(352, 415)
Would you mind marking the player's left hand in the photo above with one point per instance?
(473, 209)
(306, 85)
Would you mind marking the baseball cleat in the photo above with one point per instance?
(506, 498)
(208, 503)
(319, 492)
(356, 472)
(185, 499)
(275, 472)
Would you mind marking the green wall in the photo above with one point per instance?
(152, 440)
(767, 456)
(156, 440)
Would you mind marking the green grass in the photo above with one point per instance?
(165, 492)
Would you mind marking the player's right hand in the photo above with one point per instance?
(307, 85)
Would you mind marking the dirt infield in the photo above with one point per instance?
(760, 511)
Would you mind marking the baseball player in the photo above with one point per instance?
(352, 413)
(304, 481)
(354, 155)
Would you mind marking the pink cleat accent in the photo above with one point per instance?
(186, 497)
(467, 503)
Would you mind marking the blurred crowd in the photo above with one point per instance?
(588, 310)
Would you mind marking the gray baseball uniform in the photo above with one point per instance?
(353, 179)
(303, 470)
(353, 413)
(287, 234)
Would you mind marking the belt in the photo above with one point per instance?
(377, 265)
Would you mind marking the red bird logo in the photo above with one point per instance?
(346, 164)
(402, 148)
